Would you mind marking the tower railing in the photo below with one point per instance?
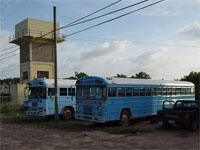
(35, 34)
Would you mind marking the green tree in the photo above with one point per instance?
(121, 76)
(78, 75)
(194, 77)
(10, 80)
(141, 75)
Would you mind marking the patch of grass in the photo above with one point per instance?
(9, 108)
(11, 114)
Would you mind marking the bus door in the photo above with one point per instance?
(71, 93)
(51, 101)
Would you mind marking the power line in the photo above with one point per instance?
(10, 56)
(8, 4)
(114, 18)
(96, 24)
(8, 48)
(73, 22)
(93, 13)
(15, 9)
(9, 52)
(129, 6)
(8, 64)
(82, 17)
(32, 49)
(96, 39)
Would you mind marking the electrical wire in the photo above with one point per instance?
(129, 6)
(9, 52)
(96, 39)
(114, 18)
(8, 4)
(44, 44)
(98, 23)
(95, 12)
(82, 18)
(8, 48)
(75, 21)
(8, 64)
(15, 9)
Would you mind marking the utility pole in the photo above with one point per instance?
(55, 64)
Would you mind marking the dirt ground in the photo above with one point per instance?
(17, 137)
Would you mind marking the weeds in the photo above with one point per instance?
(11, 113)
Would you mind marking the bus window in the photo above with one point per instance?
(183, 90)
(159, 92)
(90, 93)
(121, 92)
(188, 90)
(63, 91)
(37, 92)
(178, 91)
(164, 91)
(142, 91)
(128, 91)
(148, 91)
(154, 91)
(51, 91)
(112, 92)
(169, 91)
(173, 91)
(71, 91)
(135, 92)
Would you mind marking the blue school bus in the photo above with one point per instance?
(42, 97)
(102, 100)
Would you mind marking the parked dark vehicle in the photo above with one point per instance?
(183, 113)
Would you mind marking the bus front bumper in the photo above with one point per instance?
(35, 113)
(90, 118)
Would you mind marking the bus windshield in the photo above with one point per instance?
(91, 93)
(37, 92)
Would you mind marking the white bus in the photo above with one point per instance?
(41, 98)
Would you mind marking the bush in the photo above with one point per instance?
(9, 108)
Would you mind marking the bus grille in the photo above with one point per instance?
(88, 110)
(34, 104)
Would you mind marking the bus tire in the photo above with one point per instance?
(125, 118)
(165, 124)
(68, 113)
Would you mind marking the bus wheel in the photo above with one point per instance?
(68, 113)
(165, 124)
(125, 118)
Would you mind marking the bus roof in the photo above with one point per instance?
(147, 82)
(50, 82)
(132, 81)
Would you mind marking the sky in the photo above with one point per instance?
(162, 40)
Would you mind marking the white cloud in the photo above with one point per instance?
(191, 31)
(10, 66)
(167, 63)
(98, 56)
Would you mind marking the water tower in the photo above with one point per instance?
(36, 48)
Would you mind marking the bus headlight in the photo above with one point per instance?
(77, 108)
(100, 109)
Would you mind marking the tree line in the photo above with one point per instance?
(193, 77)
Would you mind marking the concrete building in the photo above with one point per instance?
(35, 38)
(36, 48)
